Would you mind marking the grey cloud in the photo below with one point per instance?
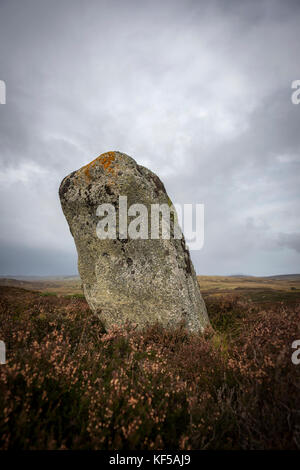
(198, 91)
(18, 260)
(290, 240)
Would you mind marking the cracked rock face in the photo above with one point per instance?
(141, 281)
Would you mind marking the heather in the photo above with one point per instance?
(68, 384)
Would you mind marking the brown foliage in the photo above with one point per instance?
(69, 385)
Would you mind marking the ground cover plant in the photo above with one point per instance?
(68, 384)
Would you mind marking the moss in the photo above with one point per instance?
(75, 296)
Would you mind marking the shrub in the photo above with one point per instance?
(68, 384)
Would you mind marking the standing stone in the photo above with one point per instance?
(141, 281)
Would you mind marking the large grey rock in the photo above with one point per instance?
(129, 280)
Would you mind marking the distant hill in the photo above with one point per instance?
(10, 281)
(287, 277)
(239, 275)
(58, 284)
(41, 278)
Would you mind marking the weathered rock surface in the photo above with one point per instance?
(127, 280)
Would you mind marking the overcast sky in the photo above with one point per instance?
(199, 92)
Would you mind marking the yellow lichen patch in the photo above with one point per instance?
(105, 159)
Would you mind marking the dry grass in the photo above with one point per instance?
(229, 283)
(58, 286)
(212, 285)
